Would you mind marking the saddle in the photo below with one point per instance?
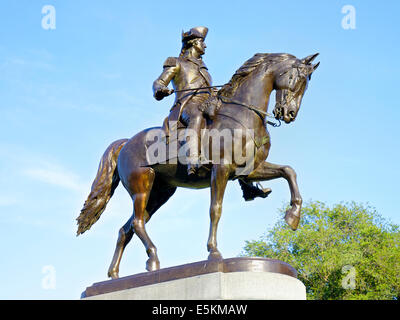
(209, 110)
(211, 106)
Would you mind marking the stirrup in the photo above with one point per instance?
(191, 170)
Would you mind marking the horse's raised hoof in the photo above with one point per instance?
(292, 220)
(152, 265)
(215, 256)
(113, 274)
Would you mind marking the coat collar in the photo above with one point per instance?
(198, 62)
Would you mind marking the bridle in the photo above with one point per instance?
(285, 100)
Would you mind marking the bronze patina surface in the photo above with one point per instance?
(190, 270)
(242, 107)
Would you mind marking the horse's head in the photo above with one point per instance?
(291, 80)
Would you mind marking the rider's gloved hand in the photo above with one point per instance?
(162, 92)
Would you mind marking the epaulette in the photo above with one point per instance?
(170, 62)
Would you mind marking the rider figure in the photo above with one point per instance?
(188, 71)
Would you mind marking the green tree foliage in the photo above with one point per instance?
(345, 252)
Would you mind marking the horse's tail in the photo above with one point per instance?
(103, 187)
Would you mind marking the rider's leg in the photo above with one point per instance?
(196, 122)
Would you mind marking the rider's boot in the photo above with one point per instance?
(250, 192)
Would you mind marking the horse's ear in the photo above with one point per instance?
(313, 68)
(309, 59)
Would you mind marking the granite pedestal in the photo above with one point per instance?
(228, 279)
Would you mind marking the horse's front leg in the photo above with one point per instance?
(219, 179)
(269, 171)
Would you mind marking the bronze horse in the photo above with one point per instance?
(244, 103)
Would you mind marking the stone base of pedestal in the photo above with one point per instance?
(230, 279)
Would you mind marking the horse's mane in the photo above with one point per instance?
(248, 67)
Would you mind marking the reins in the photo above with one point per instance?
(193, 89)
(259, 112)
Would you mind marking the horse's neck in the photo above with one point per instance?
(251, 96)
(254, 91)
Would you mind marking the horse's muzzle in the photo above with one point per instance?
(281, 113)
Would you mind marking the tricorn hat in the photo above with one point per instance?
(198, 32)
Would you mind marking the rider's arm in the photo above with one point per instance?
(160, 86)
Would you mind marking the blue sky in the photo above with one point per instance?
(67, 93)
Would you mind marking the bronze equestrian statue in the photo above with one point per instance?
(243, 104)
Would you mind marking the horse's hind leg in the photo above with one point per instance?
(159, 195)
(140, 183)
(124, 236)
